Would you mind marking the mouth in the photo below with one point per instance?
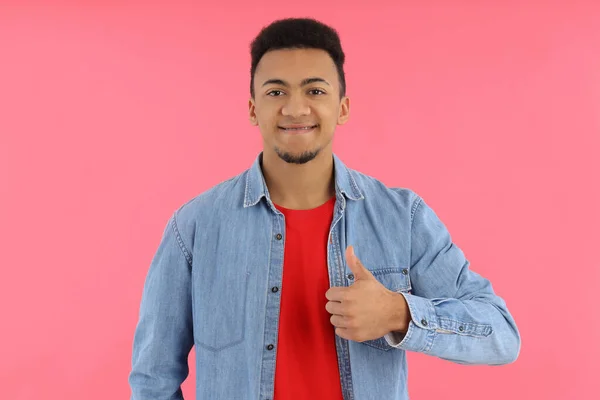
(298, 128)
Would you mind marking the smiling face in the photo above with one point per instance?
(297, 103)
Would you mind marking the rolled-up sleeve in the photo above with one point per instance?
(455, 314)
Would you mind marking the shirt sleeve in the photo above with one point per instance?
(164, 335)
(455, 314)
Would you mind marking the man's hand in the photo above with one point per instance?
(366, 310)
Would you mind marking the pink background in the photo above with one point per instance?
(114, 114)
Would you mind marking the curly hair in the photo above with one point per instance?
(298, 33)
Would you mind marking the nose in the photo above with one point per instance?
(295, 106)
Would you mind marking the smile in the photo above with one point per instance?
(298, 128)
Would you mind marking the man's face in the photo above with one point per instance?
(297, 103)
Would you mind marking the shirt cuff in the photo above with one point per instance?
(421, 329)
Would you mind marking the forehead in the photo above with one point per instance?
(293, 65)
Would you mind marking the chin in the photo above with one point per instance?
(297, 157)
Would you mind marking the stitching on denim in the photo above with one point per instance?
(344, 343)
(339, 259)
(266, 294)
(411, 309)
(434, 317)
(385, 271)
(413, 210)
(241, 339)
(379, 344)
(431, 335)
(182, 247)
(408, 335)
(356, 189)
(414, 207)
(382, 272)
(471, 328)
(217, 349)
(246, 199)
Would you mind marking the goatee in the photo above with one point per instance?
(301, 158)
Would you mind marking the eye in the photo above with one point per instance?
(275, 93)
(317, 92)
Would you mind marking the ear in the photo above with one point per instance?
(252, 112)
(344, 113)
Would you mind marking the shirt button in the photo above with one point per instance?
(274, 289)
(278, 236)
(423, 322)
(351, 277)
(270, 347)
(461, 328)
(404, 271)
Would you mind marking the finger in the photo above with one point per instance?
(338, 321)
(356, 266)
(336, 293)
(343, 333)
(334, 307)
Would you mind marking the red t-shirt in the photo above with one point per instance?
(306, 364)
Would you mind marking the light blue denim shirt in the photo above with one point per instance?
(210, 286)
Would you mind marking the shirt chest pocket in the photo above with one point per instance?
(396, 279)
(220, 298)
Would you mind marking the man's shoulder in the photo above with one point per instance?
(376, 190)
(222, 197)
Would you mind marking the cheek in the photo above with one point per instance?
(266, 116)
(328, 119)
(328, 113)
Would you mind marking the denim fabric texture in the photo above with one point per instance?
(209, 286)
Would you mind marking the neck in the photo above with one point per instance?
(299, 186)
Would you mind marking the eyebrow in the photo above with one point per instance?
(304, 82)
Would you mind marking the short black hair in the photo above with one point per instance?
(298, 33)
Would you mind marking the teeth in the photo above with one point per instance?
(297, 129)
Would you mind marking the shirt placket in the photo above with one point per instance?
(336, 271)
(273, 303)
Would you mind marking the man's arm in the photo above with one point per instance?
(164, 336)
(455, 314)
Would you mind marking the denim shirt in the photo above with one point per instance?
(210, 285)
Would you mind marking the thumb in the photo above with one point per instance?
(357, 268)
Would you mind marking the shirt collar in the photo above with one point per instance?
(256, 188)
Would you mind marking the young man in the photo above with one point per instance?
(301, 278)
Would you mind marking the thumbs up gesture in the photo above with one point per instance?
(366, 310)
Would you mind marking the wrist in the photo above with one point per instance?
(399, 314)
